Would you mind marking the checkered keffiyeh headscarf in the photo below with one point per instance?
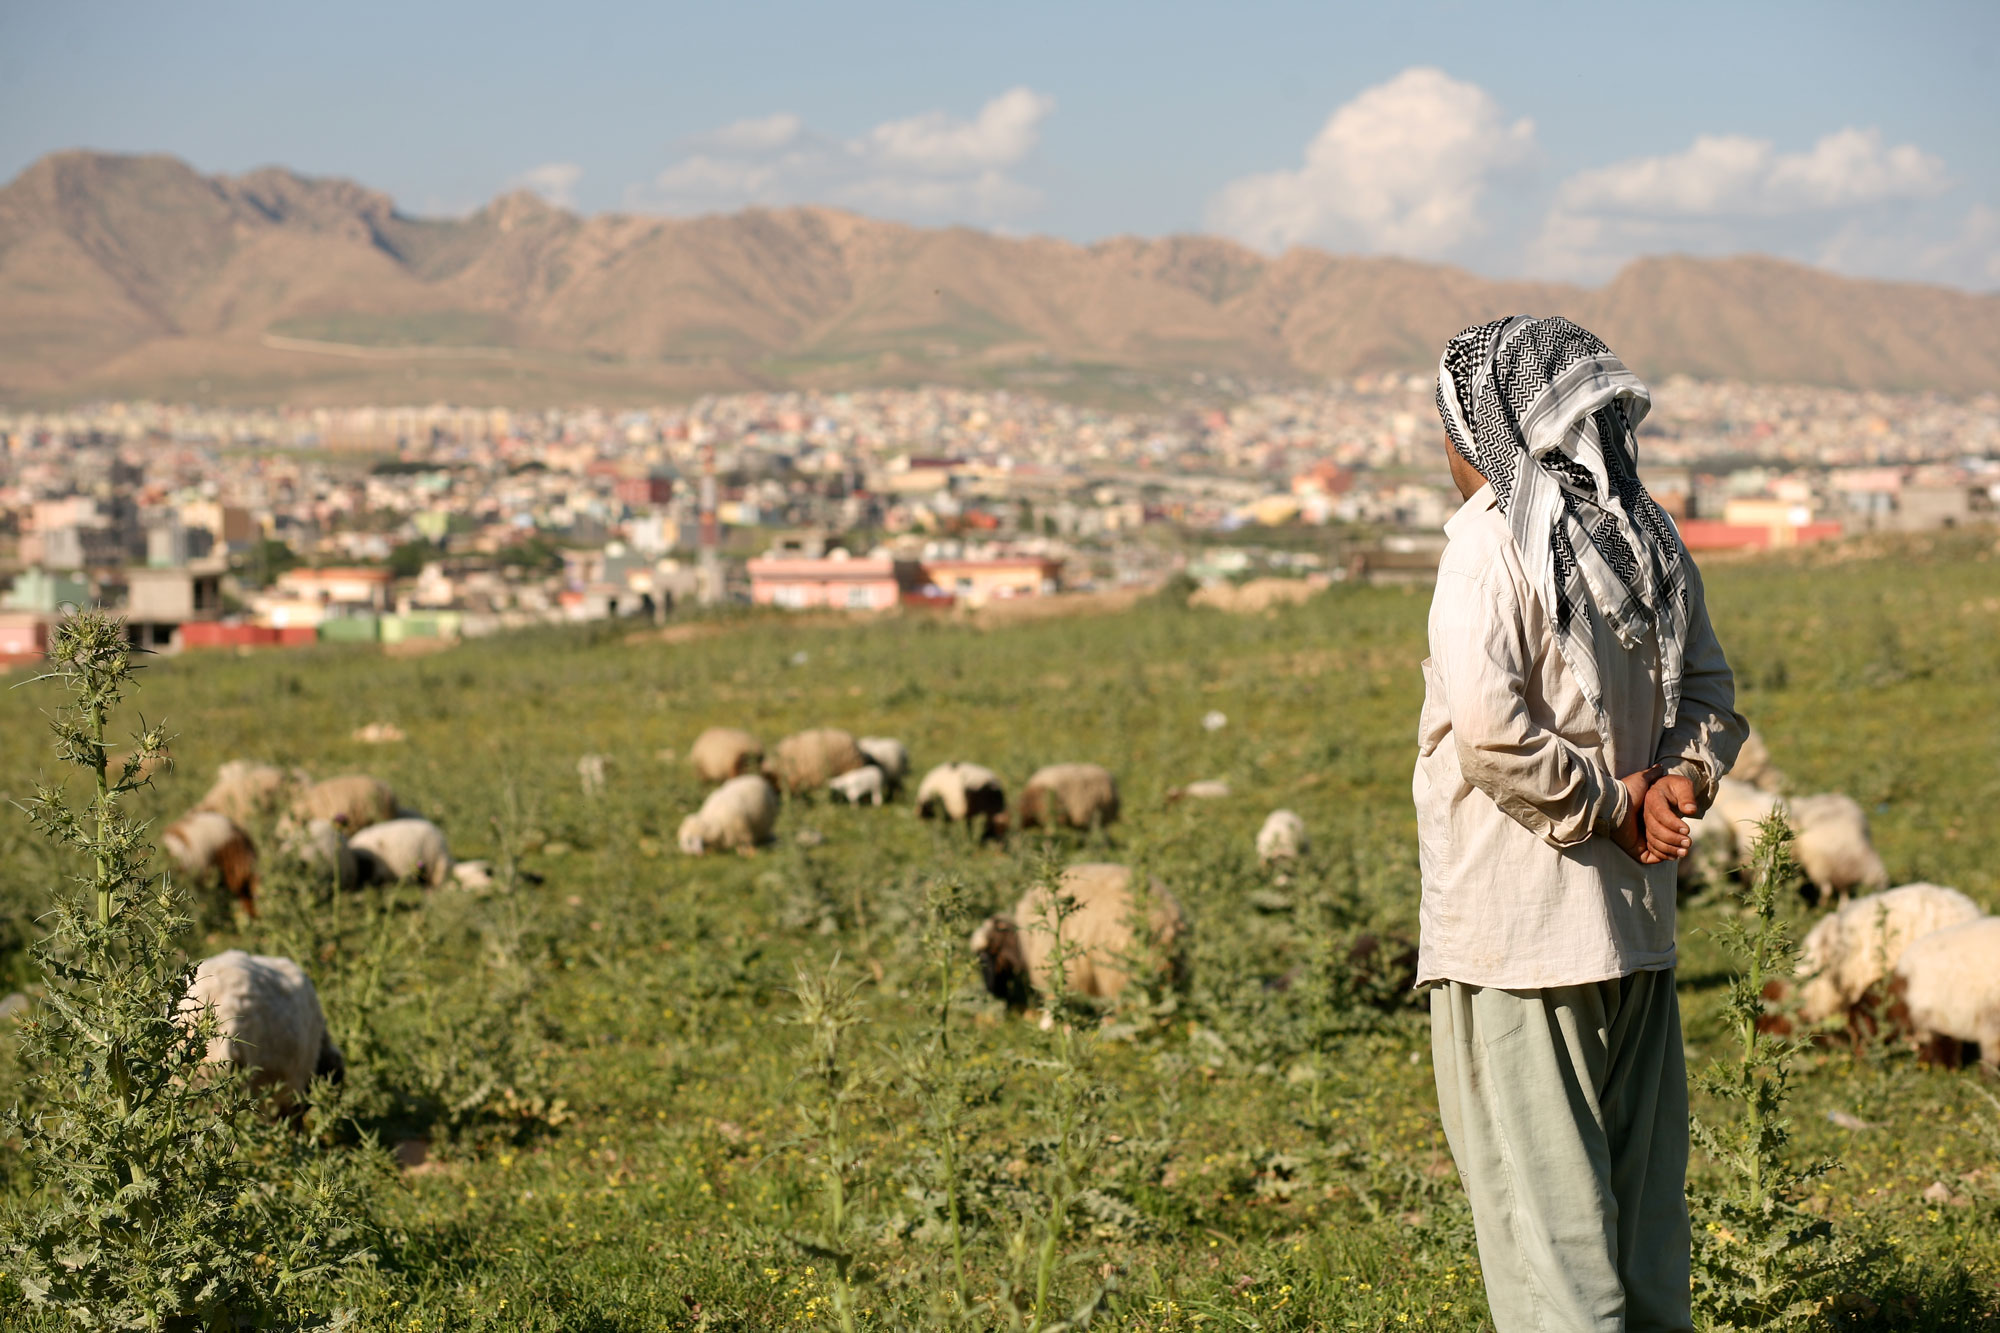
(1546, 412)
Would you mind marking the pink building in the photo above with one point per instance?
(838, 581)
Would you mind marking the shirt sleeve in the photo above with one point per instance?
(1708, 731)
(1555, 789)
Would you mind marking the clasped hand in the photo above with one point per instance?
(1654, 828)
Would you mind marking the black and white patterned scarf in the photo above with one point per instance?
(1546, 412)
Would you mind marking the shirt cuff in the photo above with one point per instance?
(1614, 804)
(1698, 774)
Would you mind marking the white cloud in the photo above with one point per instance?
(927, 167)
(1406, 166)
(1732, 192)
(554, 181)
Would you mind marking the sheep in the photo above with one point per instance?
(1079, 796)
(1018, 952)
(1283, 837)
(267, 1019)
(1711, 856)
(210, 847)
(722, 753)
(1946, 990)
(1205, 789)
(402, 849)
(864, 786)
(1848, 952)
(962, 793)
(352, 802)
(321, 850)
(889, 755)
(1833, 847)
(1753, 765)
(807, 761)
(245, 790)
(739, 814)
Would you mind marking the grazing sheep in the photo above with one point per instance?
(738, 815)
(379, 733)
(267, 1018)
(245, 790)
(1017, 952)
(1753, 765)
(210, 847)
(590, 768)
(962, 793)
(352, 802)
(866, 785)
(1857, 946)
(1206, 789)
(722, 753)
(1711, 857)
(1079, 796)
(1738, 809)
(322, 851)
(1283, 837)
(1946, 991)
(402, 849)
(807, 761)
(889, 755)
(1834, 848)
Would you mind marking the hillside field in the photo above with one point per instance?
(626, 1126)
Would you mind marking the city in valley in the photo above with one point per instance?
(213, 527)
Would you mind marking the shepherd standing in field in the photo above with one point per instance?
(1576, 707)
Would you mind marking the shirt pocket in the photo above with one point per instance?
(1434, 723)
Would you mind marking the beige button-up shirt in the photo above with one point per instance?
(1517, 787)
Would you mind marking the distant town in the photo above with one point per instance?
(211, 528)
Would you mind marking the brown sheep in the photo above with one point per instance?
(809, 760)
(209, 847)
(352, 802)
(722, 753)
(1078, 796)
(1017, 952)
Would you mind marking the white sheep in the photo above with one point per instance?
(1078, 796)
(1283, 837)
(722, 753)
(962, 793)
(1202, 789)
(889, 755)
(1834, 848)
(863, 786)
(245, 790)
(211, 848)
(1753, 765)
(1852, 949)
(738, 815)
(1018, 952)
(1946, 990)
(320, 848)
(352, 801)
(402, 849)
(267, 1018)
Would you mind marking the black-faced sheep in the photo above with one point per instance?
(1283, 837)
(722, 753)
(739, 815)
(1017, 953)
(807, 761)
(1848, 952)
(267, 1019)
(211, 848)
(396, 850)
(352, 802)
(890, 755)
(246, 791)
(1945, 991)
(866, 785)
(1078, 796)
(963, 793)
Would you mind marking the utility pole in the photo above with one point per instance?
(711, 554)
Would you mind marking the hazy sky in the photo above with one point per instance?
(1558, 139)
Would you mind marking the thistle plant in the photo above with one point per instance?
(1758, 1255)
(161, 1198)
(832, 1092)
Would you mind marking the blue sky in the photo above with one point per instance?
(1556, 139)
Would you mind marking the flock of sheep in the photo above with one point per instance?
(1928, 948)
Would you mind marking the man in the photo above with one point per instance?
(1576, 707)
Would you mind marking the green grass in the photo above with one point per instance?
(1260, 1158)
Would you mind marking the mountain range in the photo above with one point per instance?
(137, 276)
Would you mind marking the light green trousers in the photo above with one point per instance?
(1567, 1113)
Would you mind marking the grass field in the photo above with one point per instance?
(628, 1127)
